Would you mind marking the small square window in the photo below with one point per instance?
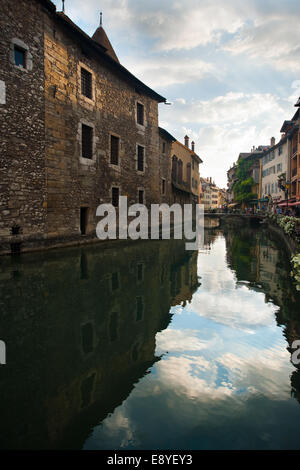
(140, 162)
(140, 113)
(86, 83)
(87, 141)
(114, 150)
(115, 197)
(19, 57)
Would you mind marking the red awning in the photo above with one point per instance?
(285, 203)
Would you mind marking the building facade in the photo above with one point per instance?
(185, 173)
(210, 194)
(274, 165)
(78, 129)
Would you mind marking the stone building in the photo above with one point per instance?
(79, 129)
(165, 150)
(185, 173)
(22, 120)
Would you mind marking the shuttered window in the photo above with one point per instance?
(140, 113)
(86, 83)
(114, 150)
(140, 155)
(87, 141)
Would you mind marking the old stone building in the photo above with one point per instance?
(165, 150)
(78, 129)
(22, 123)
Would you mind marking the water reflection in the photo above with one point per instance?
(225, 379)
(80, 329)
(124, 348)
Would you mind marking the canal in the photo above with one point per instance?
(149, 346)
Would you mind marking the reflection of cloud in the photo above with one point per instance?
(180, 340)
(117, 427)
(264, 372)
(219, 300)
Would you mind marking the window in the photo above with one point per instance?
(279, 167)
(139, 308)
(87, 338)
(114, 150)
(19, 55)
(164, 147)
(141, 196)
(140, 162)
(280, 150)
(86, 83)
(163, 186)
(140, 272)
(140, 113)
(115, 197)
(113, 326)
(115, 281)
(87, 141)
(83, 220)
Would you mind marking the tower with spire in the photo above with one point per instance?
(101, 38)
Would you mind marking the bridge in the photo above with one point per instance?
(226, 214)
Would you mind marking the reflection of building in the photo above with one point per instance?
(80, 330)
(256, 258)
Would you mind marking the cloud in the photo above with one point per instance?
(162, 72)
(225, 126)
(275, 41)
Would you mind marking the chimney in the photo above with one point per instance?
(272, 141)
(193, 146)
(186, 141)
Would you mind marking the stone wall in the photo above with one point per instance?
(74, 182)
(22, 166)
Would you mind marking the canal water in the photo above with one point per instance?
(149, 346)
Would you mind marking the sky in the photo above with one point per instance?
(231, 70)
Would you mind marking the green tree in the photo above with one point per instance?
(242, 188)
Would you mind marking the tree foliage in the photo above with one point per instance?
(242, 188)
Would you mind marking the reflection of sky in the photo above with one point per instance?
(223, 380)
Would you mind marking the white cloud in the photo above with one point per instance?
(180, 340)
(225, 126)
(162, 72)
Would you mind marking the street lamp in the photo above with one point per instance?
(287, 186)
